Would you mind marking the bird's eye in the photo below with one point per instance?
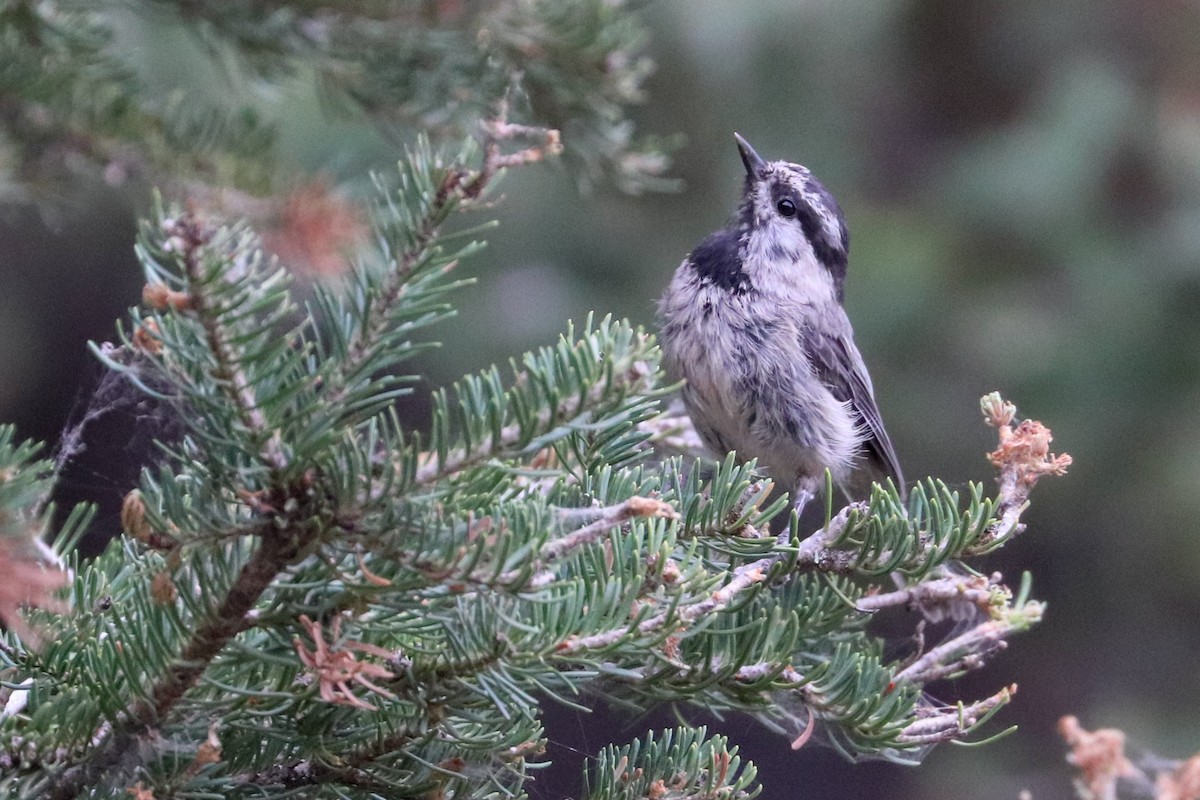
(786, 208)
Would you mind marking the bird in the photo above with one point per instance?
(753, 323)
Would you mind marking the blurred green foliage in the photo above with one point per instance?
(1022, 187)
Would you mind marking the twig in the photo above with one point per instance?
(817, 550)
(499, 129)
(1023, 457)
(970, 649)
(944, 723)
(813, 551)
(951, 590)
(632, 508)
(743, 578)
(613, 516)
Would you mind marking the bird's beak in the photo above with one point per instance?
(754, 164)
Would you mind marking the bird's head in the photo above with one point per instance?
(787, 215)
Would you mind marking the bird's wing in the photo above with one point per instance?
(839, 366)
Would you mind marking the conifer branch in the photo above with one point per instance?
(677, 764)
(627, 373)
(460, 188)
(376, 321)
(113, 743)
(189, 234)
(350, 771)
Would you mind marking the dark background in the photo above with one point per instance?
(1022, 187)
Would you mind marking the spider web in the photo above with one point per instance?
(110, 435)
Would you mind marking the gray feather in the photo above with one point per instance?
(839, 365)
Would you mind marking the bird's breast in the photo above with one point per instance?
(750, 386)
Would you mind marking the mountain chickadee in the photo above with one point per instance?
(753, 321)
